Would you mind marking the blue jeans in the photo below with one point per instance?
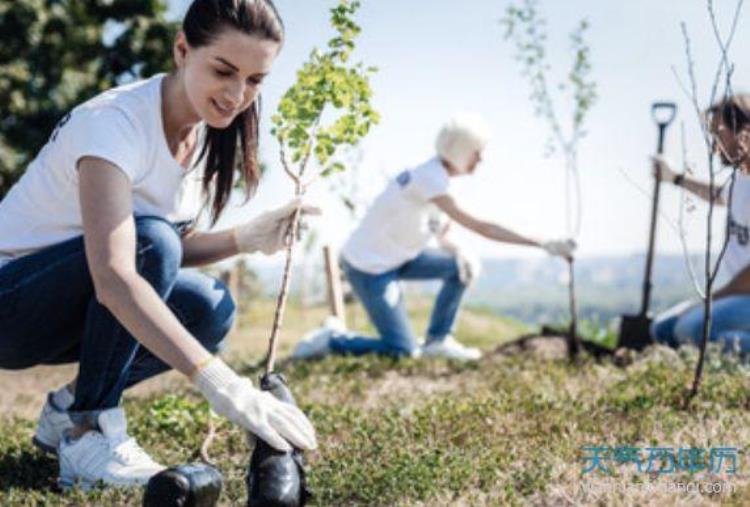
(382, 298)
(683, 324)
(49, 314)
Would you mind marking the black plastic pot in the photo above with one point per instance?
(191, 485)
(274, 478)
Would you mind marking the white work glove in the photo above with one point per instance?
(268, 231)
(234, 397)
(560, 248)
(469, 266)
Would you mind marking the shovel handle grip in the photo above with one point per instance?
(663, 113)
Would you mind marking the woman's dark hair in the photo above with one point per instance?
(733, 112)
(205, 20)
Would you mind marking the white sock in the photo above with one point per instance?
(63, 398)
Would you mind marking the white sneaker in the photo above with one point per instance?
(53, 420)
(314, 344)
(452, 349)
(334, 324)
(109, 456)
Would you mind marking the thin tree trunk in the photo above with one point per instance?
(278, 318)
(574, 341)
(708, 303)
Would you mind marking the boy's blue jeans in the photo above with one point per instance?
(382, 297)
(683, 324)
(49, 314)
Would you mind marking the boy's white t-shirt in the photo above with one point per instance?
(123, 126)
(737, 256)
(396, 227)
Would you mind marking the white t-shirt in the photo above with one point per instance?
(737, 256)
(396, 228)
(122, 125)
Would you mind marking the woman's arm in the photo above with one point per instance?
(692, 185)
(110, 241)
(265, 233)
(484, 228)
(200, 248)
(740, 284)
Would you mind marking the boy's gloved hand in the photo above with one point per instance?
(234, 397)
(267, 232)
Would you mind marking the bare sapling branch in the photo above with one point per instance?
(722, 82)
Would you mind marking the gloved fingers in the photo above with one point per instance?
(297, 419)
(284, 231)
(310, 209)
(292, 428)
(265, 432)
(289, 208)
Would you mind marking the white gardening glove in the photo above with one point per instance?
(267, 232)
(469, 266)
(560, 248)
(258, 412)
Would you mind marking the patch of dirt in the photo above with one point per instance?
(396, 388)
(548, 348)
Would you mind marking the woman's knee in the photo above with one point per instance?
(688, 329)
(215, 312)
(662, 330)
(159, 248)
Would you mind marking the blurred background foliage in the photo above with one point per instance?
(55, 54)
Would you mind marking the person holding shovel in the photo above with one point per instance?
(95, 236)
(390, 245)
(729, 123)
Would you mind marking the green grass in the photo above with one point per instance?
(503, 431)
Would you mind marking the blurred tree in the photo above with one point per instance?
(55, 54)
(526, 27)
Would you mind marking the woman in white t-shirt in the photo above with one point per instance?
(730, 324)
(390, 245)
(94, 236)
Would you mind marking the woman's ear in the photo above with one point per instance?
(180, 49)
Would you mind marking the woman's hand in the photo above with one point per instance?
(662, 169)
(267, 232)
(560, 248)
(258, 412)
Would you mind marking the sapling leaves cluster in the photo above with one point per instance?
(327, 109)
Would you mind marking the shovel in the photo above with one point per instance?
(635, 329)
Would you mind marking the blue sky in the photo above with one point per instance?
(437, 57)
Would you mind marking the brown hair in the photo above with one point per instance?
(733, 111)
(204, 21)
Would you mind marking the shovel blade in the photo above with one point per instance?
(635, 332)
